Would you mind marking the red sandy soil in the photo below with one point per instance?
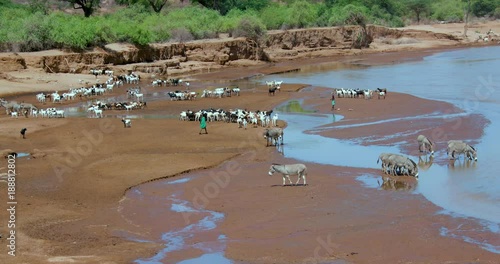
(74, 215)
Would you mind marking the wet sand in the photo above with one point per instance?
(69, 191)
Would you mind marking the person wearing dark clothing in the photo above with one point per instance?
(23, 132)
(333, 101)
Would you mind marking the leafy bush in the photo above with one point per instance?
(181, 35)
(275, 15)
(231, 20)
(36, 33)
(36, 6)
(302, 14)
(9, 4)
(73, 32)
(496, 14)
(482, 8)
(249, 27)
(340, 15)
(323, 16)
(448, 10)
(12, 27)
(201, 22)
(140, 36)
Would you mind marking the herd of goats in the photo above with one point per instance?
(358, 93)
(396, 164)
(135, 95)
(15, 109)
(243, 118)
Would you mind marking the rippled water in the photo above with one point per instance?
(163, 202)
(467, 78)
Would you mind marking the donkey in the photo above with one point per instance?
(384, 158)
(456, 148)
(424, 144)
(405, 165)
(290, 169)
(395, 164)
(275, 134)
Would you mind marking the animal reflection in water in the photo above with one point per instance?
(425, 162)
(398, 183)
(462, 165)
(290, 169)
(281, 149)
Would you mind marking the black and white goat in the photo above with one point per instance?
(126, 122)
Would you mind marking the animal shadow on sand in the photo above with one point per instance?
(289, 185)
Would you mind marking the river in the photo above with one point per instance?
(467, 78)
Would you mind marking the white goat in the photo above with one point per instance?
(275, 119)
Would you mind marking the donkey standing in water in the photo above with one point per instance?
(290, 169)
(424, 144)
(273, 134)
(457, 147)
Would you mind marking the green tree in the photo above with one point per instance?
(390, 6)
(156, 5)
(419, 7)
(88, 6)
(481, 8)
(223, 6)
(251, 4)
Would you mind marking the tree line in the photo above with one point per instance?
(39, 24)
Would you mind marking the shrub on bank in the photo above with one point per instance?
(448, 10)
(275, 16)
(35, 27)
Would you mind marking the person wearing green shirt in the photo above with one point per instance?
(203, 124)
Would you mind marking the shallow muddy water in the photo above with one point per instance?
(145, 201)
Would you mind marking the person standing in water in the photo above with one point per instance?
(333, 101)
(203, 124)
